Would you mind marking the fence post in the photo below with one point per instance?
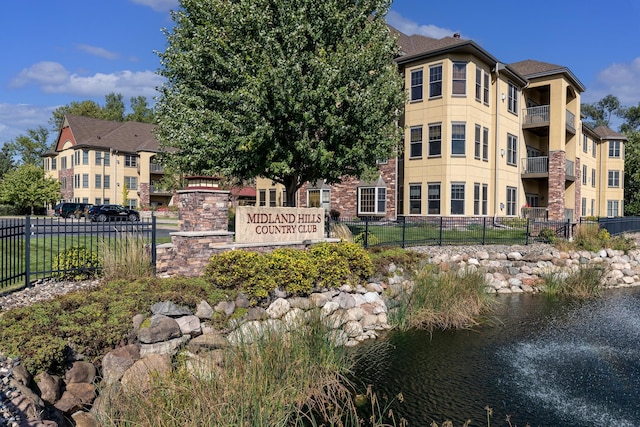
(484, 230)
(526, 237)
(153, 242)
(27, 250)
(404, 229)
(441, 225)
(366, 232)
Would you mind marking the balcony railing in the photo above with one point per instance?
(537, 165)
(568, 214)
(536, 115)
(155, 168)
(535, 213)
(571, 122)
(569, 169)
(153, 189)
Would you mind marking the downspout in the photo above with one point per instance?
(496, 173)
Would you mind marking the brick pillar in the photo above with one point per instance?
(144, 194)
(555, 205)
(203, 210)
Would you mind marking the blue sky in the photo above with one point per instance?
(72, 50)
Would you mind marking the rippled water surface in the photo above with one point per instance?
(543, 363)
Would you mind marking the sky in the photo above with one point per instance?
(57, 52)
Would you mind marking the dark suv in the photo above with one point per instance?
(71, 210)
(103, 213)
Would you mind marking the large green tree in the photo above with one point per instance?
(26, 187)
(601, 112)
(294, 91)
(29, 148)
(6, 161)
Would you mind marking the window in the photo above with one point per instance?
(372, 200)
(77, 160)
(457, 198)
(98, 201)
(485, 199)
(272, 198)
(98, 182)
(485, 144)
(416, 142)
(435, 81)
(585, 143)
(614, 149)
(85, 157)
(132, 203)
(486, 88)
(98, 158)
(107, 159)
(130, 160)
(593, 207)
(593, 177)
(478, 84)
(435, 140)
(459, 83)
(593, 148)
(476, 198)
(511, 201)
(612, 208)
(262, 198)
(584, 174)
(477, 143)
(63, 182)
(284, 197)
(319, 198)
(106, 182)
(512, 149)
(415, 199)
(513, 98)
(416, 85)
(131, 182)
(63, 162)
(76, 181)
(614, 179)
(46, 164)
(433, 199)
(85, 180)
(584, 206)
(107, 201)
(458, 137)
(54, 164)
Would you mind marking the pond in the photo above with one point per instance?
(542, 362)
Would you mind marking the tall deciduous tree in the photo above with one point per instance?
(6, 161)
(113, 108)
(600, 113)
(294, 91)
(140, 111)
(29, 148)
(632, 173)
(27, 187)
(85, 108)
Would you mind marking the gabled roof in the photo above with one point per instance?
(416, 47)
(532, 69)
(605, 132)
(130, 137)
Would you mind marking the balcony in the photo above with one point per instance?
(569, 170)
(536, 117)
(535, 213)
(535, 167)
(571, 122)
(155, 168)
(159, 190)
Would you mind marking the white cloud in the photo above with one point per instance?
(15, 119)
(158, 5)
(52, 77)
(621, 80)
(45, 73)
(98, 51)
(410, 27)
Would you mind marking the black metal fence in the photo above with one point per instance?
(626, 224)
(29, 246)
(414, 231)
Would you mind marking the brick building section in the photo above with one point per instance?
(67, 192)
(203, 210)
(344, 196)
(557, 175)
(143, 194)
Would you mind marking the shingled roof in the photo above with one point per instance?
(605, 132)
(532, 69)
(130, 137)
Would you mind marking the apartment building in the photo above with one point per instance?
(484, 138)
(94, 160)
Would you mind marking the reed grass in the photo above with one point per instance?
(443, 300)
(583, 283)
(126, 257)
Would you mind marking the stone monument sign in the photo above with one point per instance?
(264, 224)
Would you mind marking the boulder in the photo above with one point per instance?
(168, 308)
(140, 374)
(116, 362)
(162, 328)
(204, 310)
(50, 387)
(80, 372)
(189, 325)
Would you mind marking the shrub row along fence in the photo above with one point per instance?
(414, 231)
(31, 248)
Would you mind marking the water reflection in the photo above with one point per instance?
(544, 363)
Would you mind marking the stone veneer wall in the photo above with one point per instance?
(143, 194)
(67, 192)
(577, 212)
(556, 185)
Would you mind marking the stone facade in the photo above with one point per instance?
(67, 191)
(143, 194)
(557, 177)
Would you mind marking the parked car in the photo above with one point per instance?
(104, 213)
(71, 210)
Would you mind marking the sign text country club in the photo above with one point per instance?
(261, 224)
